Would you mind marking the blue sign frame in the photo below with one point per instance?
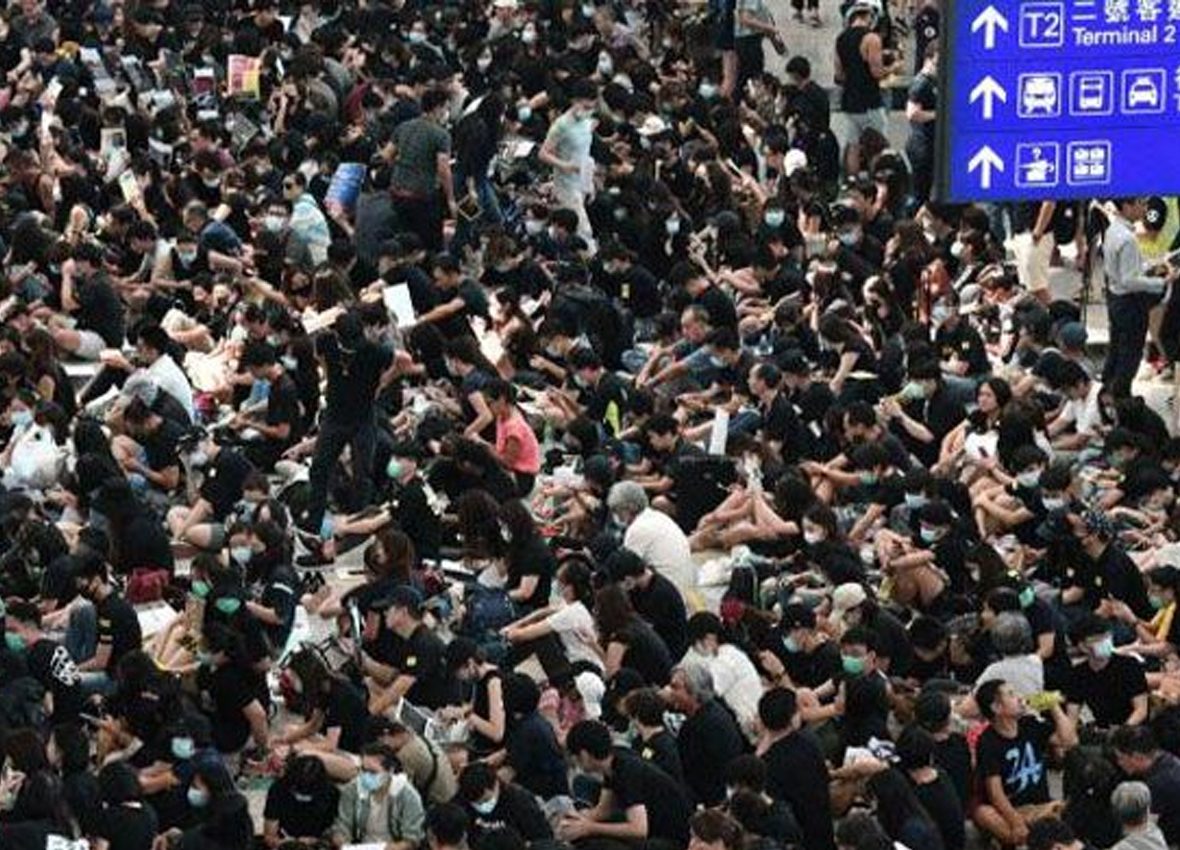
(1059, 99)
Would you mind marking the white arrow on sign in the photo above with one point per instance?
(984, 161)
(990, 91)
(989, 20)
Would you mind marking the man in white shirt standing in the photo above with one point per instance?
(1131, 293)
(652, 535)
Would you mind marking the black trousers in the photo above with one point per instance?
(330, 444)
(1127, 315)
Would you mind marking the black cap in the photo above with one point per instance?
(1156, 215)
(794, 362)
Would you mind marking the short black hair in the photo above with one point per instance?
(1047, 833)
(154, 337)
(776, 709)
(800, 67)
(623, 563)
(702, 624)
(1089, 626)
(663, 423)
(746, 770)
(591, 737)
(1134, 740)
(915, 747)
(986, 695)
(477, 779)
(584, 357)
(433, 99)
(645, 706)
(258, 353)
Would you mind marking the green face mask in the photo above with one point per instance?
(15, 643)
(228, 605)
(394, 469)
(1157, 602)
(1027, 597)
(201, 589)
(853, 665)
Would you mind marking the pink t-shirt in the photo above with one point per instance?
(528, 460)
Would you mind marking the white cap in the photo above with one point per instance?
(793, 160)
(652, 125)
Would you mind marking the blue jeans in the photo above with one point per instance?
(82, 643)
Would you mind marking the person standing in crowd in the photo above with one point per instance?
(566, 150)
(421, 172)
(1131, 295)
(355, 368)
(861, 64)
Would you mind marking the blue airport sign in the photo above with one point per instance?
(1059, 99)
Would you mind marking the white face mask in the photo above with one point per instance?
(812, 537)
(672, 226)
(528, 35)
(1029, 478)
(483, 63)
(606, 65)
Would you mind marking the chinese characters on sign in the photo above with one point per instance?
(1055, 99)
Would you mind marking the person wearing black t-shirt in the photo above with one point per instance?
(798, 650)
(301, 804)
(418, 669)
(157, 459)
(710, 736)
(778, 421)
(1113, 687)
(791, 752)
(235, 689)
(355, 369)
(416, 510)
(494, 805)
(645, 707)
(654, 598)
(602, 395)
(278, 426)
(654, 808)
(225, 471)
(932, 786)
(485, 712)
(47, 661)
(1011, 766)
(86, 291)
(334, 708)
(102, 632)
(127, 822)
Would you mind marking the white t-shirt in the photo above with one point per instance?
(574, 624)
(735, 681)
(169, 377)
(1084, 414)
(657, 539)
